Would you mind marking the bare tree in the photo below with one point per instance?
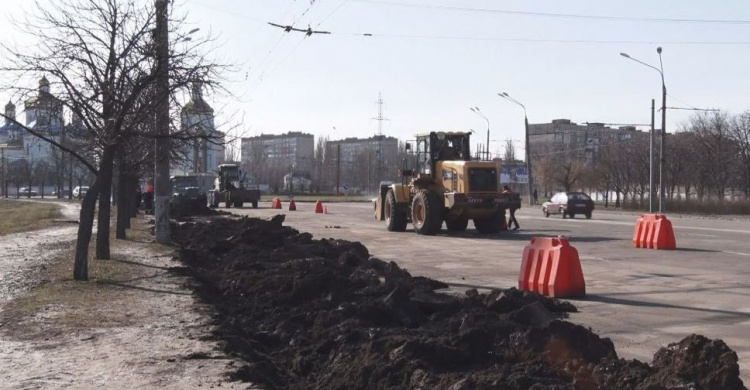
(510, 151)
(100, 54)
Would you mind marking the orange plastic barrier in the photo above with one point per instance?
(319, 207)
(276, 203)
(551, 267)
(292, 205)
(654, 231)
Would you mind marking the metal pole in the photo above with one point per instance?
(528, 157)
(161, 169)
(488, 140)
(662, 163)
(338, 167)
(651, 189)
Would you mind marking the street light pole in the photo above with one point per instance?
(487, 148)
(651, 161)
(663, 161)
(662, 157)
(161, 168)
(507, 97)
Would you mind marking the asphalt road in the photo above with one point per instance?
(642, 299)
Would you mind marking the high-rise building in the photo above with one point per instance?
(364, 161)
(290, 152)
(562, 136)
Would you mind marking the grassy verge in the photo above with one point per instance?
(62, 304)
(25, 216)
(708, 207)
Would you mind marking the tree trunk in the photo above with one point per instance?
(86, 223)
(123, 207)
(105, 184)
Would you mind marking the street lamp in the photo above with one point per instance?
(507, 97)
(662, 157)
(478, 112)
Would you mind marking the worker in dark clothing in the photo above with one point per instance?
(512, 220)
(535, 196)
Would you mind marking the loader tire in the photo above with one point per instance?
(395, 215)
(457, 224)
(427, 212)
(255, 204)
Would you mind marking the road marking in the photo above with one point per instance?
(701, 235)
(737, 253)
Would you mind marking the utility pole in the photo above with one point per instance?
(2, 183)
(161, 169)
(651, 188)
(338, 166)
(663, 162)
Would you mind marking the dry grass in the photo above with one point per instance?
(66, 304)
(18, 216)
(694, 206)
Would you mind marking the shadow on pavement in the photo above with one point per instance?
(632, 302)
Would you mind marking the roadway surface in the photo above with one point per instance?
(640, 298)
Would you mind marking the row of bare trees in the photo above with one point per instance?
(707, 159)
(100, 58)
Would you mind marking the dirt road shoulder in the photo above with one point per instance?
(133, 325)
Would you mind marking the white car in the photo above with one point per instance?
(80, 192)
(26, 191)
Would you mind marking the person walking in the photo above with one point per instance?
(512, 220)
(535, 196)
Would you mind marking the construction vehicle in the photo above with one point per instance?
(188, 192)
(229, 187)
(446, 186)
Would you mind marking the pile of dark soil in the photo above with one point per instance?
(323, 314)
(182, 209)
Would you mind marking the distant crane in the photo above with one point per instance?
(309, 31)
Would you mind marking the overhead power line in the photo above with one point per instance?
(533, 40)
(561, 15)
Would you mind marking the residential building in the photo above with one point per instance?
(565, 136)
(285, 153)
(364, 161)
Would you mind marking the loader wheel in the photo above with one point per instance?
(395, 216)
(238, 204)
(491, 225)
(457, 224)
(427, 212)
(255, 204)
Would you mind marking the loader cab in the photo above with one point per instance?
(440, 146)
(229, 174)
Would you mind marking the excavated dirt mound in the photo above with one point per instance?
(182, 209)
(323, 314)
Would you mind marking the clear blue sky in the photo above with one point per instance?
(433, 59)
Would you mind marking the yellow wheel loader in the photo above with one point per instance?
(446, 186)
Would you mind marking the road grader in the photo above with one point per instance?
(445, 186)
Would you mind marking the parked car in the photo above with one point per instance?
(569, 204)
(80, 192)
(26, 191)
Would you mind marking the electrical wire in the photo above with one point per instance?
(331, 14)
(560, 15)
(533, 40)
